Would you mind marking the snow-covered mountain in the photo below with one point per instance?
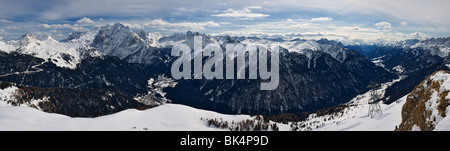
(118, 40)
(313, 73)
(436, 46)
(107, 69)
(406, 43)
(63, 54)
(304, 47)
(400, 53)
(416, 59)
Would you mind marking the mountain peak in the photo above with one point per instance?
(72, 36)
(118, 40)
(117, 26)
(331, 42)
(27, 39)
(192, 34)
(406, 43)
(189, 33)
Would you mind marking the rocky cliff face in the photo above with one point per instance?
(427, 105)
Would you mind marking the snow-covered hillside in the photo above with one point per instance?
(165, 117)
(6, 47)
(354, 116)
(425, 108)
(29, 116)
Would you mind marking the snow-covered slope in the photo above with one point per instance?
(6, 47)
(18, 115)
(165, 117)
(8, 98)
(7, 94)
(354, 116)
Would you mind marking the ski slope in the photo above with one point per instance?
(356, 118)
(167, 117)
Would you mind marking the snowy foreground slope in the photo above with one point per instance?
(425, 108)
(171, 117)
(355, 117)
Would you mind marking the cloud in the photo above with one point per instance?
(224, 23)
(164, 25)
(254, 7)
(85, 20)
(2, 32)
(135, 26)
(289, 20)
(321, 19)
(301, 25)
(243, 14)
(419, 35)
(181, 9)
(74, 27)
(13, 27)
(5, 21)
(385, 26)
(429, 17)
(404, 23)
(312, 34)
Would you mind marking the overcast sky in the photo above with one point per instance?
(346, 20)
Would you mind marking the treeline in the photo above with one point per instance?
(73, 102)
(256, 124)
(296, 117)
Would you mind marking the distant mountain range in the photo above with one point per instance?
(314, 74)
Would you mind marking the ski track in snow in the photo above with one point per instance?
(35, 67)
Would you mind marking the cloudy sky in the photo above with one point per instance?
(350, 21)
